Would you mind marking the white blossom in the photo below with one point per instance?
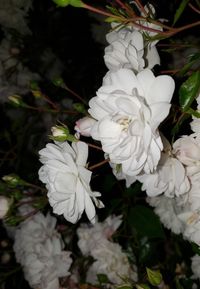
(169, 178)
(67, 180)
(117, 172)
(91, 236)
(4, 206)
(128, 110)
(168, 209)
(195, 123)
(127, 49)
(195, 265)
(111, 261)
(191, 222)
(84, 125)
(39, 249)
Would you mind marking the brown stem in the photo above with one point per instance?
(94, 146)
(194, 8)
(102, 12)
(141, 7)
(50, 102)
(188, 26)
(99, 164)
(64, 86)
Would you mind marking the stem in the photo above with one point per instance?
(94, 146)
(102, 12)
(194, 8)
(126, 7)
(187, 26)
(141, 7)
(50, 102)
(99, 164)
(35, 187)
(64, 86)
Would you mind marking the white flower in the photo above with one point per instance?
(67, 180)
(187, 150)
(127, 50)
(191, 222)
(84, 125)
(4, 206)
(38, 248)
(196, 265)
(91, 236)
(170, 178)
(195, 123)
(117, 171)
(168, 209)
(128, 110)
(111, 261)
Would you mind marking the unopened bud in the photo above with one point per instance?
(61, 133)
(5, 258)
(13, 180)
(16, 100)
(84, 126)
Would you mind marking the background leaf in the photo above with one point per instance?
(189, 90)
(180, 10)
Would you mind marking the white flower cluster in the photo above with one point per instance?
(179, 206)
(39, 249)
(109, 259)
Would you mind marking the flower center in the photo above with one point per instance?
(124, 122)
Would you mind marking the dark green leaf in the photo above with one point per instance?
(102, 278)
(180, 10)
(145, 222)
(189, 90)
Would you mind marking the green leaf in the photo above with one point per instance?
(64, 3)
(124, 286)
(154, 277)
(76, 3)
(102, 278)
(193, 112)
(178, 285)
(180, 10)
(142, 286)
(145, 222)
(189, 90)
(192, 59)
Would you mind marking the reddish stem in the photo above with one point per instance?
(194, 8)
(99, 164)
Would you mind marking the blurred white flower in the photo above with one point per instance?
(84, 125)
(91, 236)
(128, 110)
(4, 206)
(111, 261)
(38, 248)
(195, 265)
(127, 49)
(168, 209)
(187, 150)
(68, 181)
(191, 222)
(169, 178)
(195, 123)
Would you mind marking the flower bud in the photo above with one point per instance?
(15, 99)
(13, 180)
(84, 126)
(4, 206)
(59, 133)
